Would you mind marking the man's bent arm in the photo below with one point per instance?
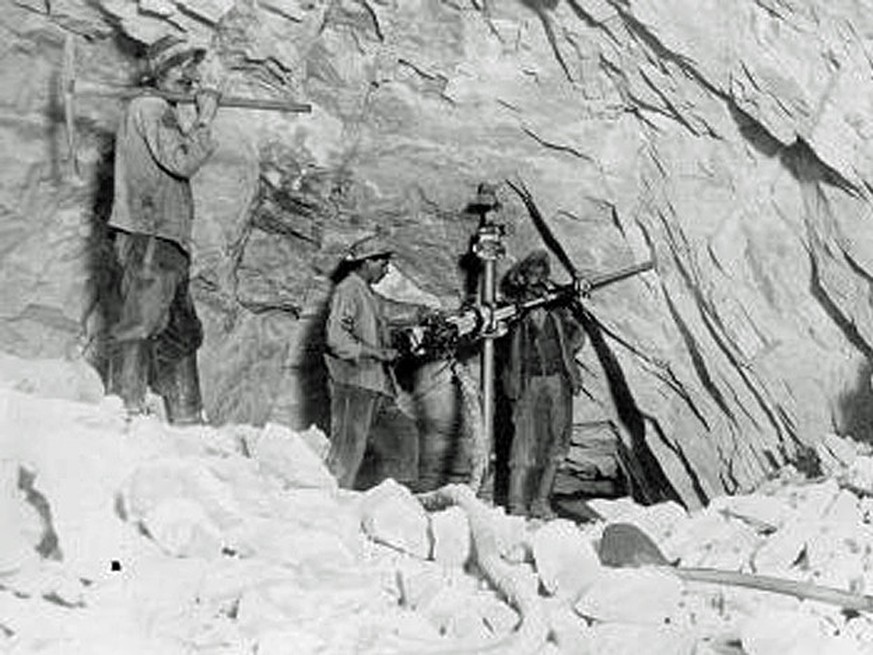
(179, 153)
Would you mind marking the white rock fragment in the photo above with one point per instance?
(568, 633)
(22, 527)
(418, 586)
(625, 639)
(287, 640)
(783, 548)
(835, 454)
(565, 560)
(844, 509)
(182, 529)
(790, 633)
(498, 617)
(644, 595)
(391, 515)
(190, 478)
(760, 510)
(72, 379)
(455, 614)
(283, 453)
(710, 539)
(450, 532)
(860, 473)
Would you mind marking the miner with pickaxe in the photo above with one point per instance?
(158, 332)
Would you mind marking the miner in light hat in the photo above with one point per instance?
(359, 355)
(157, 333)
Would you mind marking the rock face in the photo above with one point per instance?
(725, 140)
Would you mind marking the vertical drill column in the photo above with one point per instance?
(488, 247)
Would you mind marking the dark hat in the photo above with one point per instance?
(372, 247)
(538, 256)
(172, 50)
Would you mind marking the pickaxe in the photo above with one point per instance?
(71, 88)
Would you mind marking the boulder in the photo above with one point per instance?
(565, 560)
(186, 478)
(182, 529)
(450, 533)
(391, 515)
(287, 455)
(639, 596)
(70, 379)
(788, 633)
(24, 529)
(625, 639)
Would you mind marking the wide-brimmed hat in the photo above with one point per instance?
(173, 50)
(372, 247)
(534, 258)
(516, 279)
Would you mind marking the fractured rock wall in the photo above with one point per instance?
(727, 142)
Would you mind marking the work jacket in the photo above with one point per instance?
(359, 316)
(154, 160)
(570, 337)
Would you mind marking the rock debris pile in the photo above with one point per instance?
(143, 538)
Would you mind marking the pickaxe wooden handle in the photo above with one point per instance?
(71, 89)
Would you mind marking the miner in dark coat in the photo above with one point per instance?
(540, 378)
(158, 331)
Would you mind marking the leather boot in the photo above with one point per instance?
(517, 490)
(179, 384)
(132, 379)
(540, 506)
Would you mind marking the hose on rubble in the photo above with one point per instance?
(533, 630)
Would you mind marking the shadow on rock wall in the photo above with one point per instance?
(315, 395)
(855, 407)
(103, 269)
(647, 480)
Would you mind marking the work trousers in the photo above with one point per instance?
(362, 418)
(158, 331)
(542, 418)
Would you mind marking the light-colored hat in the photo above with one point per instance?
(372, 247)
(172, 50)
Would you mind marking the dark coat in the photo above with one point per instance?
(571, 337)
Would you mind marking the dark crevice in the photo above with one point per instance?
(782, 430)
(717, 333)
(855, 406)
(859, 270)
(790, 426)
(727, 475)
(660, 370)
(745, 410)
(590, 21)
(798, 158)
(49, 545)
(662, 52)
(558, 147)
(673, 112)
(698, 361)
(655, 485)
(616, 221)
(847, 327)
(682, 457)
(541, 9)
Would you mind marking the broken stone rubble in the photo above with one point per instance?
(202, 546)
